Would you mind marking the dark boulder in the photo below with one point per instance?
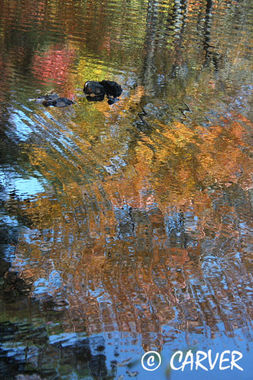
(95, 91)
(112, 89)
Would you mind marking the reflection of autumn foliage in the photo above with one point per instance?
(54, 64)
(194, 159)
(162, 261)
(144, 225)
(138, 285)
(186, 162)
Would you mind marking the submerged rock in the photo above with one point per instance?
(59, 102)
(54, 100)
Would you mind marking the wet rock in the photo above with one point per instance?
(96, 91)
(59, 102)
(112, 89)
(54, 100)
(62, 102)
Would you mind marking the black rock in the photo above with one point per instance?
(111, 88)
(94, 90)
(54, 100)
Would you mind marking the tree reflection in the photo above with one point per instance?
(153, 247)
(142, 223)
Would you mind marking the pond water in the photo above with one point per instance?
(127, 227)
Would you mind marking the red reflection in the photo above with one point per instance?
(53, 65)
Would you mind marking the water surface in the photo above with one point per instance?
(125, 227)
